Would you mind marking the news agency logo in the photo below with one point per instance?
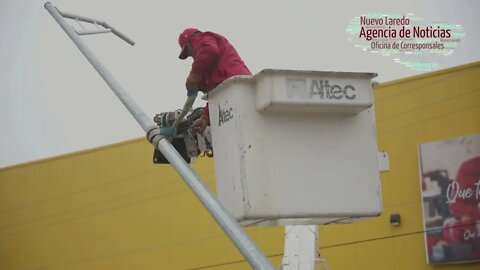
(319, 88)
(224, 115)
(407, 39)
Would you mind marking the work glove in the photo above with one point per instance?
(167, 131)
(200, 125)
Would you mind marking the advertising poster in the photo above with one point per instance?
(450, 186)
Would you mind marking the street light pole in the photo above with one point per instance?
(237, 235)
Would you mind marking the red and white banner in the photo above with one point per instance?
(450, 184)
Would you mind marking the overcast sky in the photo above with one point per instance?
(53, 102)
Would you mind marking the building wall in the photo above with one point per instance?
(409, 112)
(111, 208)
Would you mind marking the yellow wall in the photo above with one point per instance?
(409, 112)
(111, 208)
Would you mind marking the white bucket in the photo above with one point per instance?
(296, 147)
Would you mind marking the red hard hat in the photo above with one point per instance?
(182, 41)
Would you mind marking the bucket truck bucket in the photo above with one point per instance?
(296, 147)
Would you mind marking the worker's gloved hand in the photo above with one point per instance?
(167, 131)
(192, 81)
(200, 125)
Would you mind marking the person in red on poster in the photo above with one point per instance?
(214, 60)
(464, 196)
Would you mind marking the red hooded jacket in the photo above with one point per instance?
(215, 60)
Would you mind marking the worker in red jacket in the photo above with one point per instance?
(214, 60)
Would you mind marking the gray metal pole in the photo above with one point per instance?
(244, 244)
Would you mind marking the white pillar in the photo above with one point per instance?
(300, 252)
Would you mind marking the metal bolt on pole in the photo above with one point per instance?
(237, 235)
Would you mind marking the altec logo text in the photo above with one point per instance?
(318, 88)
(326, 91)
(224, 115)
